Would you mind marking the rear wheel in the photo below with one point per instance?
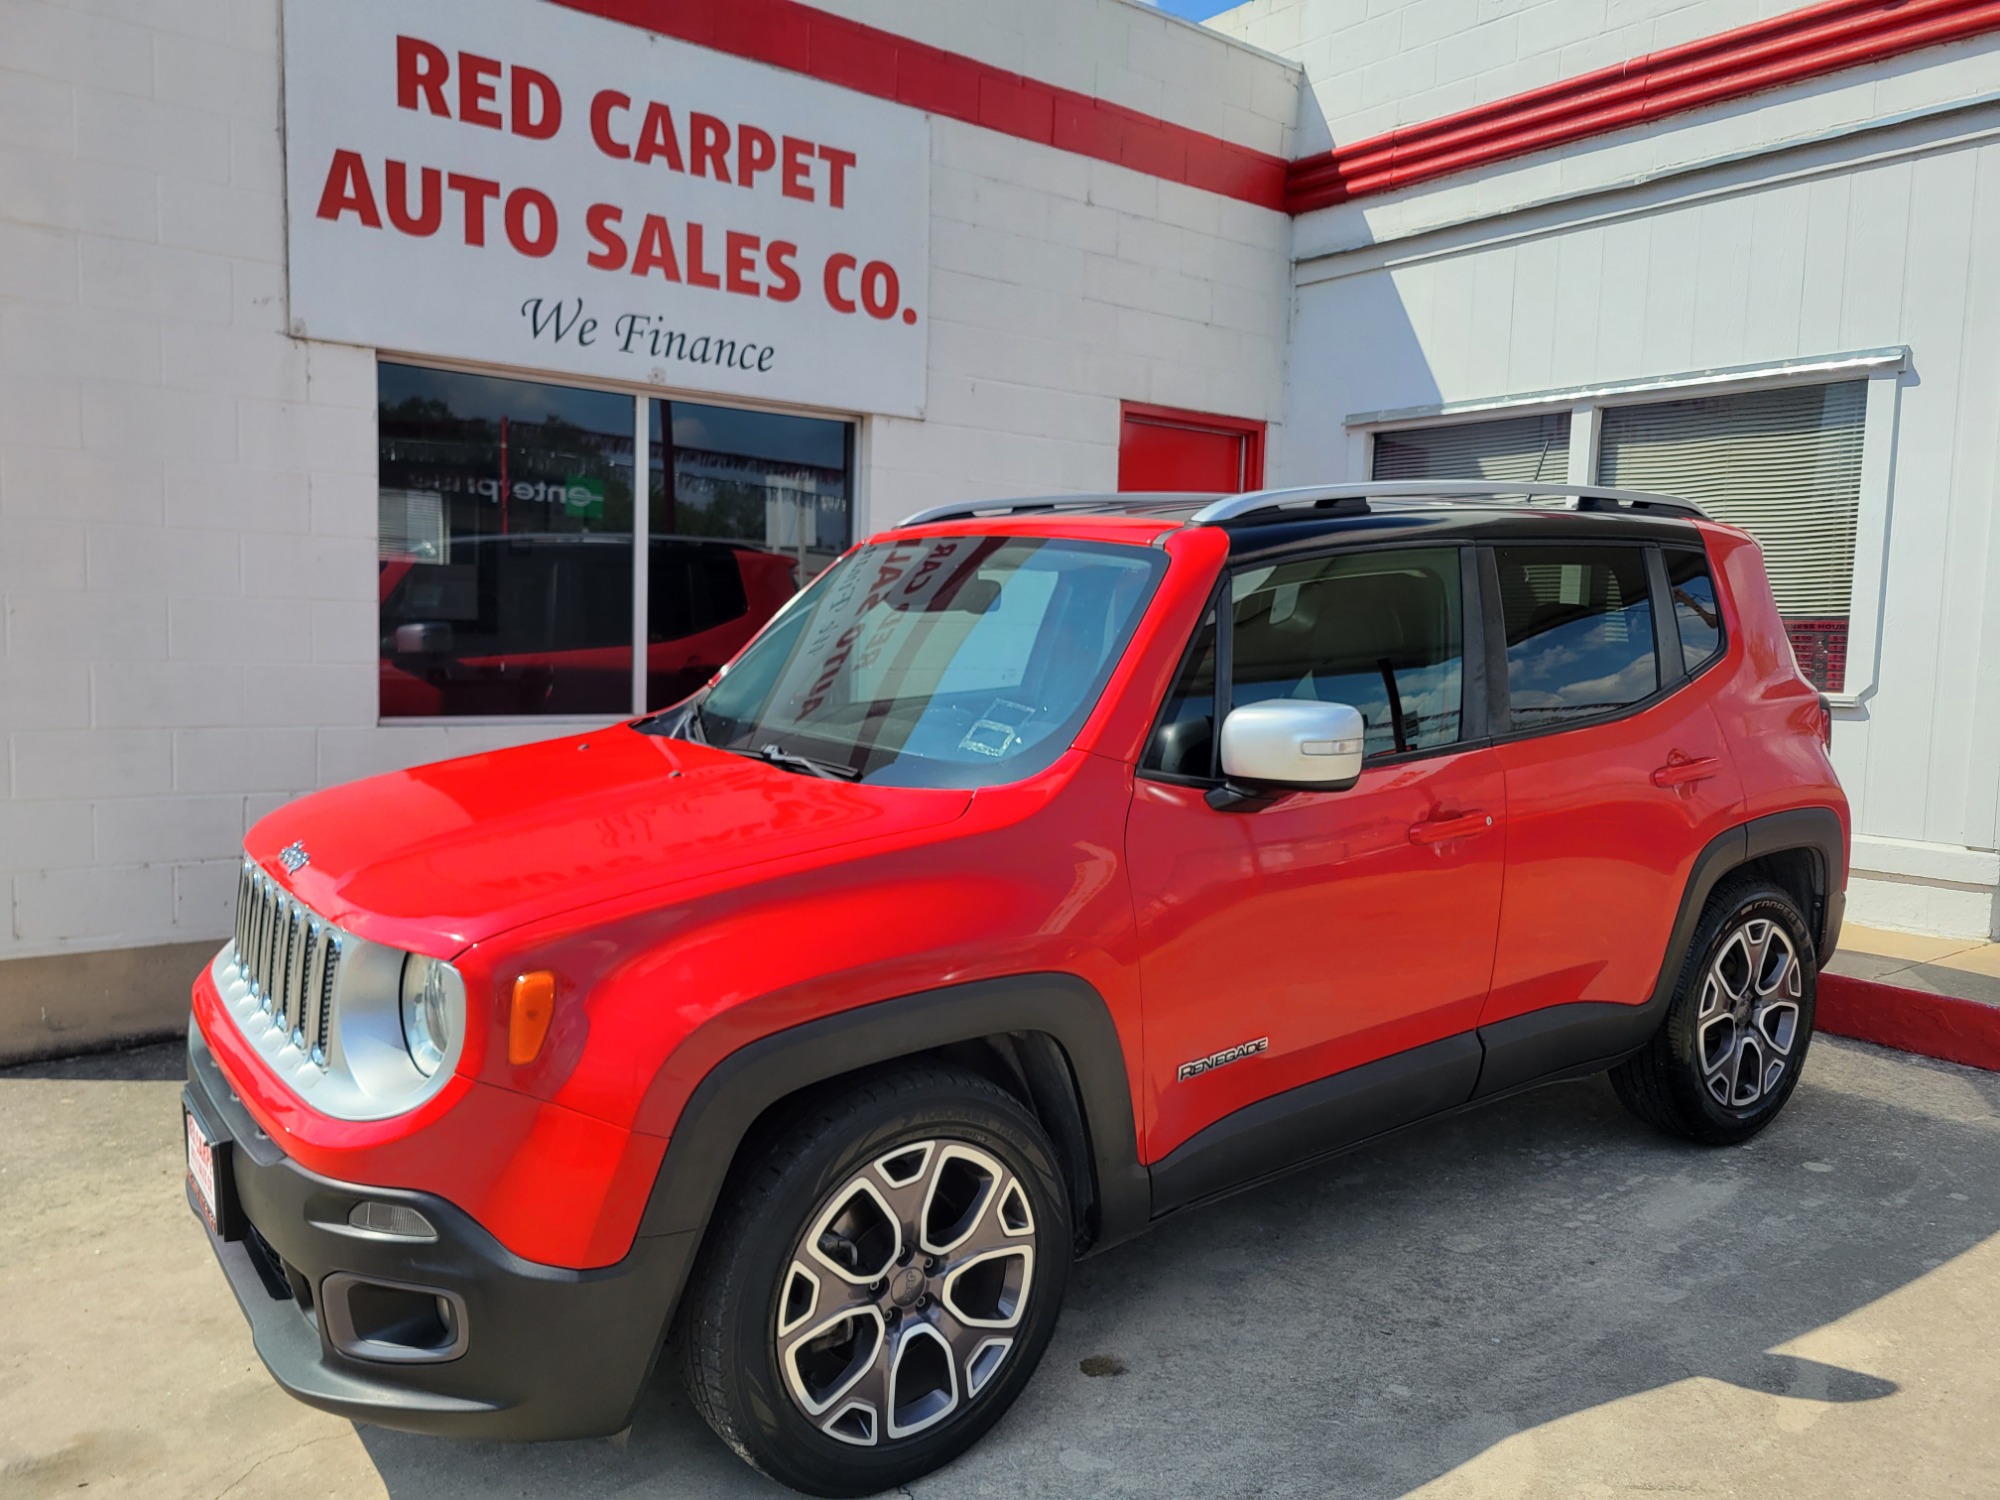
(1729, 1051)
(883, 1285)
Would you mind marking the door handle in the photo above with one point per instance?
(1439, 830)
(1683, 770)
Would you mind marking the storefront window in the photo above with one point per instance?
(746, 507)
(506, 542)
(506, 546)
(1525, 448)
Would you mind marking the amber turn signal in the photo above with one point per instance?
(528, 1023)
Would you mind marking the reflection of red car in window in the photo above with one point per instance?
(541, 623)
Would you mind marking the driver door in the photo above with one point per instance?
(1294, 939)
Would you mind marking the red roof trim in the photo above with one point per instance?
(868, 60)
(1786, 49)
(1768, 54)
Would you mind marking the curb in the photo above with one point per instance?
(1941, 1026)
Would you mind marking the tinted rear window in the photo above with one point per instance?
(1695, 608)
(1579, 631)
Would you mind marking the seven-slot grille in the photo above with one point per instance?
(289, 958)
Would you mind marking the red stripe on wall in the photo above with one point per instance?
(1767, 54)
(1786, 49)
(868, 60)
(1960, 1031)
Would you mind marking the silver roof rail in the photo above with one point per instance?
(965, 510)
(1588, 497)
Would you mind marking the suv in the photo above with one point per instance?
(1043, 869)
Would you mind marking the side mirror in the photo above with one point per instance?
(430, 638)
(1291, 745)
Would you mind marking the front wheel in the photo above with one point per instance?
(883, 1284)
(1729, 1051)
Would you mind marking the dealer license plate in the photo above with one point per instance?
(201, 1169)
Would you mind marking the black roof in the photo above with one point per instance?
(1271, 522)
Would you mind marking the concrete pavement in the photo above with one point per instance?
(1540, 1299)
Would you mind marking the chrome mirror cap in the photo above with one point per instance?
(1293, 744)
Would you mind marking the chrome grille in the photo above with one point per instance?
(289, 958)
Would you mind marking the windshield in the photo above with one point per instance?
(944, 661)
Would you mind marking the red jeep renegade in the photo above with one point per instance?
(1043, 869)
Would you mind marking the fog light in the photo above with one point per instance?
(390, 1322)
(391, 1219)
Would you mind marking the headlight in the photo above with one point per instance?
(427, 1010)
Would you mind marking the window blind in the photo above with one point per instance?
(1524, 448)
(1785, 465)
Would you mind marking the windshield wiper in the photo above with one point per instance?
(791, 760)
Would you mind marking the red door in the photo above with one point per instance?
(1332, 928)
(1161, 448)
(1604, 819)
(1321, 931)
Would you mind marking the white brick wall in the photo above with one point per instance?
(1058, 288)
(186, 494)
(187, 504)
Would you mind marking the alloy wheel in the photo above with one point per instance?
(903, 1298)
(1748, 1022)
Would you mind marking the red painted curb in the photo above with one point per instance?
(1960, 1031)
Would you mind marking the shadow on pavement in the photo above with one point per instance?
(149, 1062)
(1373, 1324)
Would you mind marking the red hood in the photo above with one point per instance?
(446, 855)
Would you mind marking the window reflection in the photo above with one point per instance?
(505, 546)
(1579, 631)
(778, 481)
(506, 536)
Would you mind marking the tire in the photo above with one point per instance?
(894, 1380)
(1697, 1077)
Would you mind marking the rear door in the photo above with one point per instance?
(1287, 942)
(1616, 769)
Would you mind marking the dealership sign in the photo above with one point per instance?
(513, 182)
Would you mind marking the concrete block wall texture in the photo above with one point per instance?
(187, 500)
(1060, 285)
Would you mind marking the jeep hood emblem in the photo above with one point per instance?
(294, 858)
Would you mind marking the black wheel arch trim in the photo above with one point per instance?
(1069, 1013)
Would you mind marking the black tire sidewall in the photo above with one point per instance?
(1719, 1122)
(783, 1442)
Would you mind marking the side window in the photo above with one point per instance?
(1695, 609)
(1183, 743)
(1377, 630)
(1579, 631)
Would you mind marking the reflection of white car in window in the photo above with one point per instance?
(540, 622)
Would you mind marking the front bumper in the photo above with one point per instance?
(541, 1351)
